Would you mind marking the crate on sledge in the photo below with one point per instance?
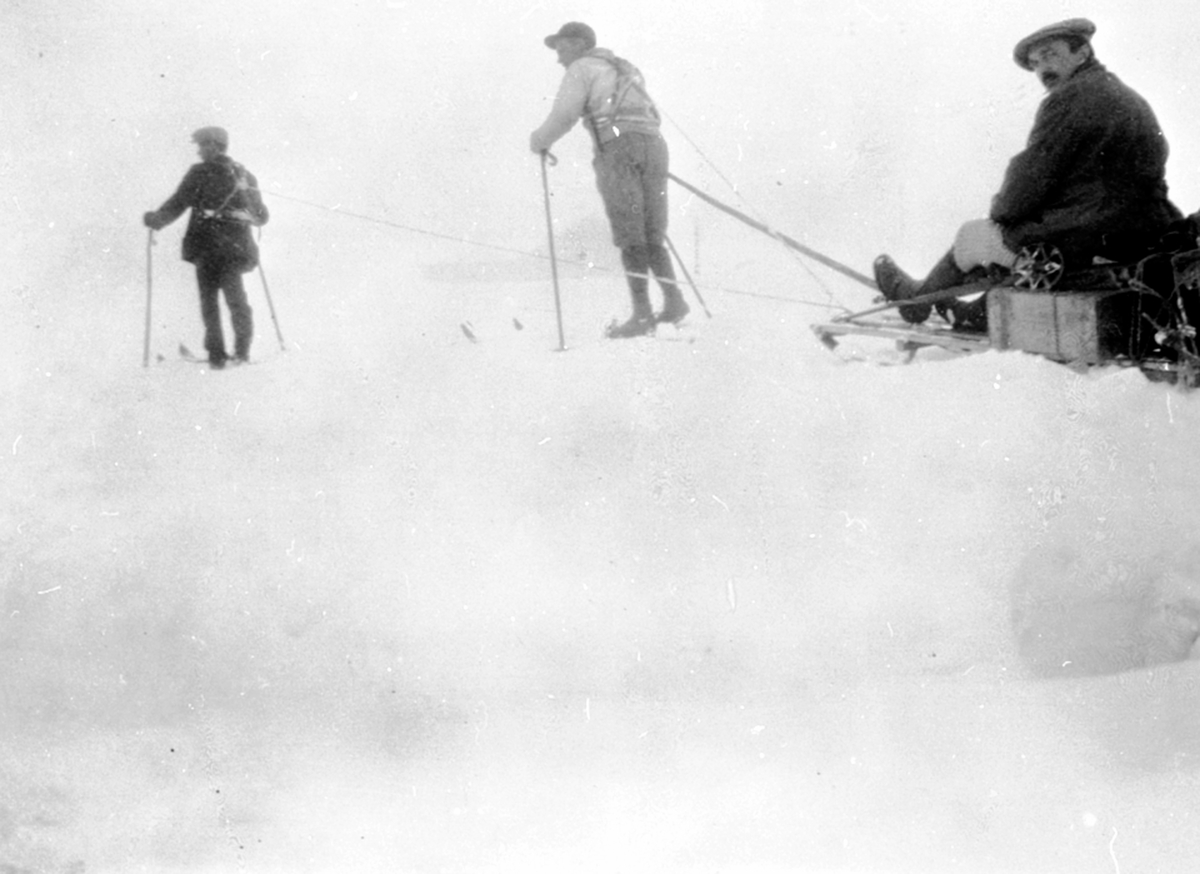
(1086, 327)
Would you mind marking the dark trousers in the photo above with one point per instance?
(213, 276)
(631, 173)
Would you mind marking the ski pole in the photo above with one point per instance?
(783, 238)
(271, 306)
(149, 290)
(546, 156)
(688, 276)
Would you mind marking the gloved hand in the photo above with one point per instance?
(152, 221)
(1182, 235)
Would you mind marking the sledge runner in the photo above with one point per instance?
(1090, 182)
(225, 203)
(631, 163)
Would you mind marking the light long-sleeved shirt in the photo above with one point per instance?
(607, 92)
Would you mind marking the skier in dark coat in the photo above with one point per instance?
(1091, 180)
(225, 203)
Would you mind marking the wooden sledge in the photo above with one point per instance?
(1122, 327)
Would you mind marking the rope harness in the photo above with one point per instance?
(605, 126)
(239, 212)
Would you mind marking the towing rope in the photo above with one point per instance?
(337, 209)
(793, 247)
(760, 225)
(378, 221)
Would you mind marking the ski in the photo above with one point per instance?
(909, 338)
(192, 358)
(674, 332)
(670, 332)
(188, 355)
(655, 331)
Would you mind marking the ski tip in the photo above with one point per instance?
(468, 333)
(827, 339)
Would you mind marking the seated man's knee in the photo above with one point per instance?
(980, 243)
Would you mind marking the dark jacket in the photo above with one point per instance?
(1092, 176)
(225, 203)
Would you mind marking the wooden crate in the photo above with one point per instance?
(1089, 327)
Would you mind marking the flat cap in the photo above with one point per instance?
(573, 29)
(216, 135)
(1072, 28)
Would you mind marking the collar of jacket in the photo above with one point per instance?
(1089, 66)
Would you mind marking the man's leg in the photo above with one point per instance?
(655, 169)
(978, 244)
(637, 264)
(208, 278)
(619, 179)
(674, 306)
(895, 284)
(898, 285)
(240, 313)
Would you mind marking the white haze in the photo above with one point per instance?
(393, 600)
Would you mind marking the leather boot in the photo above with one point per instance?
(898, 285)
(967, 315)
(675, 308)
(895, 284)
(637, 325)
(945, 274)
(641, 322)
(963, 315)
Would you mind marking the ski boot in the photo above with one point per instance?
(675, 308)
(969, 316)
(641, 322)
(896, 285)
(635, 326)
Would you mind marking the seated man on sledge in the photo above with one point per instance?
(1091, 181)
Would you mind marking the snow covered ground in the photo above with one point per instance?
(396, 600)
(399, 600)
